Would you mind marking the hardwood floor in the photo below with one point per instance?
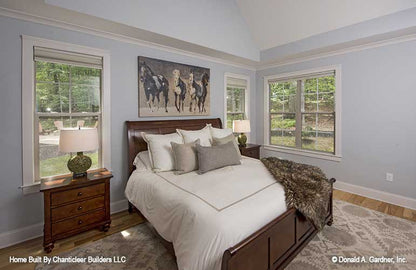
(124, 220)
(376, 205)
(120, 222)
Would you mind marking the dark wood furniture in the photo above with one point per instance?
(72, 205)
(250, 150)
(271, 247)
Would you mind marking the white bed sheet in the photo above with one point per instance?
(199, 231)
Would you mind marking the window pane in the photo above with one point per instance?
(51, 72)
(235, 99)
(283, 96)
(283, 129)
(85, 89)
(85, 98)
(318, 95)
(318, 132)
(51, 161)
(52, 97)
(233, 116)
(85, 75)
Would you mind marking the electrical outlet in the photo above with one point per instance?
(389, 177)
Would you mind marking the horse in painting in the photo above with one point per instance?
(198, 92)
(154, 85)
(179, 90)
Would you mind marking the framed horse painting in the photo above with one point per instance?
(172, 89)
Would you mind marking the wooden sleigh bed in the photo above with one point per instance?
(273, 246)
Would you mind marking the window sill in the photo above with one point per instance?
(30, 189)
(301, 152)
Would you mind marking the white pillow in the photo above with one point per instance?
(142, 161)
(219, 133)
(160, 150)
(204, 136)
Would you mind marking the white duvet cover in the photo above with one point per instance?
(203, 215)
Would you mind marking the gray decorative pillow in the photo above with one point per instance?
(226, 139)
(185, 157)
(218, 156)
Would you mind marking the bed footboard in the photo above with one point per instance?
(275, 245)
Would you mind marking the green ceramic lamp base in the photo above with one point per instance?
(242, 140)
(79, 165)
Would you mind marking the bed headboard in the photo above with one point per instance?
(136, 143)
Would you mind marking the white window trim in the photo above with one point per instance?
(30, 185)
(338, 105)
(246, 96)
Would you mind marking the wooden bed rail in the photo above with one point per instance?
(276, 244)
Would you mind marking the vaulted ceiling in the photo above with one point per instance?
(277, 22)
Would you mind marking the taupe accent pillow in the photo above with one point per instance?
(185, 157)
(218, 156)
(226, 139)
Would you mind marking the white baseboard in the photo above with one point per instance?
(377, 194)
(20, 235)
(36, 230)
(118, 206)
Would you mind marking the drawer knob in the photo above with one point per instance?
(79, 207)
(79, 194)
(79, 222)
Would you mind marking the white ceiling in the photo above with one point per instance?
(277, 22)
(216, 24)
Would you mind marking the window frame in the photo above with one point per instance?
(337, 156)
(29, 145)
(228, 75)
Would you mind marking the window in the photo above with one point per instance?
(63, 86)
(303, 111)
(236, 107)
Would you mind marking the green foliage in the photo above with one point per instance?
(318, 95)
(283, 123)
(323, 144)
(235, 99)
(235, 105)
(61, 88)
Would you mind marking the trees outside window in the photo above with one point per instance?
(67, 96)
(236, 98)
(302, 112)
(235, 104)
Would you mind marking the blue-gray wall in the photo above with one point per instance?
(378, 117)
(16, 210)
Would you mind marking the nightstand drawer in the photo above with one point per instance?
(253, 153)
(77, 222)
(77, 208)
(76, 194)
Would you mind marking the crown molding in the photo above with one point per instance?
(16, 14)
(395, 37)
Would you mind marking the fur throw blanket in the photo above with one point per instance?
(306, 188)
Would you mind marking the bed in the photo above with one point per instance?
(248, 229)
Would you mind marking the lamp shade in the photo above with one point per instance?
(78, 140)
(241, 126)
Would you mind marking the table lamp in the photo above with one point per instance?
(78, 140)
(241, 126)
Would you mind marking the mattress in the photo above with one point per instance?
(203, 215)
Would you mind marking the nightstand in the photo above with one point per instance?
(74, 205)
(250, 150)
